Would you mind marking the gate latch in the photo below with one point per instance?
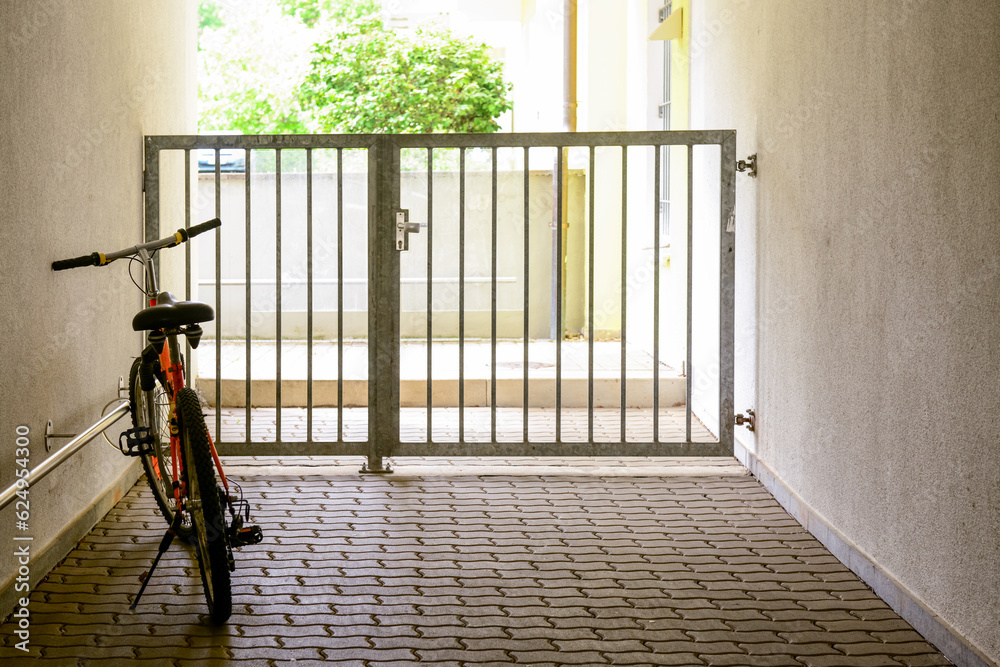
(403, 229)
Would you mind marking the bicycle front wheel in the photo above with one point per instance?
(204, 503)
(151, 409)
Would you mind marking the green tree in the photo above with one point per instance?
(208, 18)
(365, 78)
(262, 71)
(251, 61)
(313, 12)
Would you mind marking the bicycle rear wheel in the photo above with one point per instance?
(151, 409)
(204, 503)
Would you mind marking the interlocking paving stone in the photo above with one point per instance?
(463, 569)
(574, 424)
(739, 660)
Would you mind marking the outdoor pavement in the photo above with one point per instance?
(477, 562)
(574, 425)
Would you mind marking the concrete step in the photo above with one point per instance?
(413, 393)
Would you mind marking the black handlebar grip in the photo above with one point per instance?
(191, 232)
(93, 259)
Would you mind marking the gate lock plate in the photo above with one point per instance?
(403, 229)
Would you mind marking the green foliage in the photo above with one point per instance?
(297, 66)
(313, 12)
(250, 67)
(208, 18)
(368, 79)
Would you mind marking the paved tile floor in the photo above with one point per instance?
(624, 562)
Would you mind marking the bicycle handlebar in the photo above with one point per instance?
(198, 229)
(101, 259)
(94, 259)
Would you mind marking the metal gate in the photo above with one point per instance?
(458, 295)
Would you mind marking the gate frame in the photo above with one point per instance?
(384, 285)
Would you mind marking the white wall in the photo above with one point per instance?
(82, 83)
(536, 68)
(868, 273)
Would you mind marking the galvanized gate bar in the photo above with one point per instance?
(590, 304)
(727, 279)
(187, 246)
(309, 294)
(525, 311)
(557, 224)
(383, 302)
(261, 141)
(384, 288)
(493, 297)
(688, 382)
(561, 449)
(624, 297)
(461, 295)
(501, 140)
(151, 190)
(340, 294)
(247, 298)
(277, 291)
(656, 295)
(430, 295)
(187, 225)
(218, 288)
(557, 139)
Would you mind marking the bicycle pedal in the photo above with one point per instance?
(247, 535)
(138, 441)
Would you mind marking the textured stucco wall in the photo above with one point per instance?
(868, 324)
(80, 83)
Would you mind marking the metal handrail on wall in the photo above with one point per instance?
(66, 451)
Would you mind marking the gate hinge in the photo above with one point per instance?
(749, 166)
(749, 420)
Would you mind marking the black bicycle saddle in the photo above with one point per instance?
(169, 313)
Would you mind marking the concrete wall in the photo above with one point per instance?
(510, 271)
(868, 284)
(82, 83)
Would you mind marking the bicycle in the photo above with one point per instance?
(169, 433)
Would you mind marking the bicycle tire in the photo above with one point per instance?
(204, 502)
(151, 409)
